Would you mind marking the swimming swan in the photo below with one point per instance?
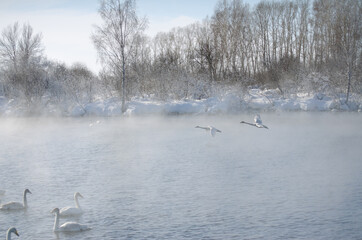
(72, 211)
(212, 130)
(68, 226)
(16, 205)
(11, 230)
(257, 122)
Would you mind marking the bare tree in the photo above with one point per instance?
(80, 84)
(206, 50)
(115, 39)
(348, 33)
(21, 56)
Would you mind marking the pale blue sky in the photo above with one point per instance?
(66, 25)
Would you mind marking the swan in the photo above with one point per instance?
(11, 230)
(72, 211)
(68, 226)
(257, 122)
(96, 122)
(16, 205)
(212, 130)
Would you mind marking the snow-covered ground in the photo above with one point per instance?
(230, 102)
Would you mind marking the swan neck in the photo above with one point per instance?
(56, 222)
(25, 202)
(76, 202)
(8, 234)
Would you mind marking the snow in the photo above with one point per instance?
(230, 102)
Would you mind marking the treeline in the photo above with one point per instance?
(275, 44)
(27, 76)
(294, 46)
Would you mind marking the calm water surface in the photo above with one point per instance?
(160, 178)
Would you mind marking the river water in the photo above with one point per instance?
(161, 178)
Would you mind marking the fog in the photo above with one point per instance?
(154, 177)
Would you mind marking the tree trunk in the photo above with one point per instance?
(123, 83)
(349, 83)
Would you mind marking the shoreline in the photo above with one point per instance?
(255, 100)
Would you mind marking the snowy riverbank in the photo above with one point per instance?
(231, 102)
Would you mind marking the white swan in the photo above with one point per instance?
(16, 205)
(257, 122)
(212, 130)
(68, 226)
(11, 230)
(72, 211)
(92, 124)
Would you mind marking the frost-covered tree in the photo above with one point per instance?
(115, 39)
(21, 58)
(80, 84)
(348, 40)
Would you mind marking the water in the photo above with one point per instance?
(160, 178)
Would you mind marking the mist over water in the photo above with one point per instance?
(162, 178)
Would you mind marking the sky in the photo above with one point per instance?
(66, 25)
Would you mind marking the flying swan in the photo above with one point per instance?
(16, 205)
(72, 211)
(212, 130)
(68, 226)
(11, 230)
(92, 124)
(257, 122)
